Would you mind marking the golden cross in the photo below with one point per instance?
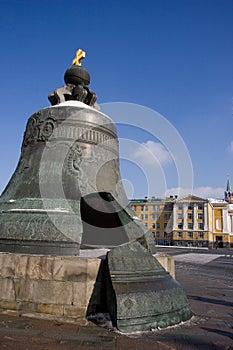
(80, 54)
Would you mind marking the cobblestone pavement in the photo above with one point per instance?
(209, 287)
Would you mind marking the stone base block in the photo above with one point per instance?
(167, 261)
(50, 285)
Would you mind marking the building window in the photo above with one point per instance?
(200, 216)
(180, 234)
(218, 224)
(142, 207)
(190, 235)
(168, 207)
(190, 207)
(200, 234)
(180, 226)
(158, 225)
(153, 225)
(201, 225)
(190, 216)
(166, 216)
(180, 216)
(200, 207)
(144, 216)
(157, 234)
(190, 225)
(154, 216)
(165, 225)
(146, 207)
(180, 207)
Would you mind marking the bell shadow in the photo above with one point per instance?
(212, 301)
(219, 331)
(102, 306)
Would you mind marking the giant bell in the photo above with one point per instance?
(66, 195)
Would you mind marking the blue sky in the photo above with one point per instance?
(174, 57)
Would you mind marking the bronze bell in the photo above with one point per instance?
(65, 192)
(66, 195)
(69, 159)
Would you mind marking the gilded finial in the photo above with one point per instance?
(80, 54)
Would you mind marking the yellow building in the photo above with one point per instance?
(221, 219)
(221, 223)
(156, 214)
(230, 218)
(175, 221)
(189, 221)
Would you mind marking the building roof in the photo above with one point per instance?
(192, 198)
(216, 200)
(151, 200)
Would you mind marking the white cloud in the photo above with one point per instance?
(231, 147)
(203, 192)
(151, 152)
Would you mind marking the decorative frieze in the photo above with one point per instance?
(41, 129)
(38, 129)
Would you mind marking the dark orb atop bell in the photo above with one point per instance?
(77, 75)
(77, 80)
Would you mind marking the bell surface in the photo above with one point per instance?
(67, 152)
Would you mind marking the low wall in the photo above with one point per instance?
(52, 285)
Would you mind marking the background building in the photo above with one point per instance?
(220, 222)
(157, 215)
(188, 221)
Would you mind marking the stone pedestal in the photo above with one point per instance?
(61, 286)
(167, 261)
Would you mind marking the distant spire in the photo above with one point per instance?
(228, 184)
(229, 192)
